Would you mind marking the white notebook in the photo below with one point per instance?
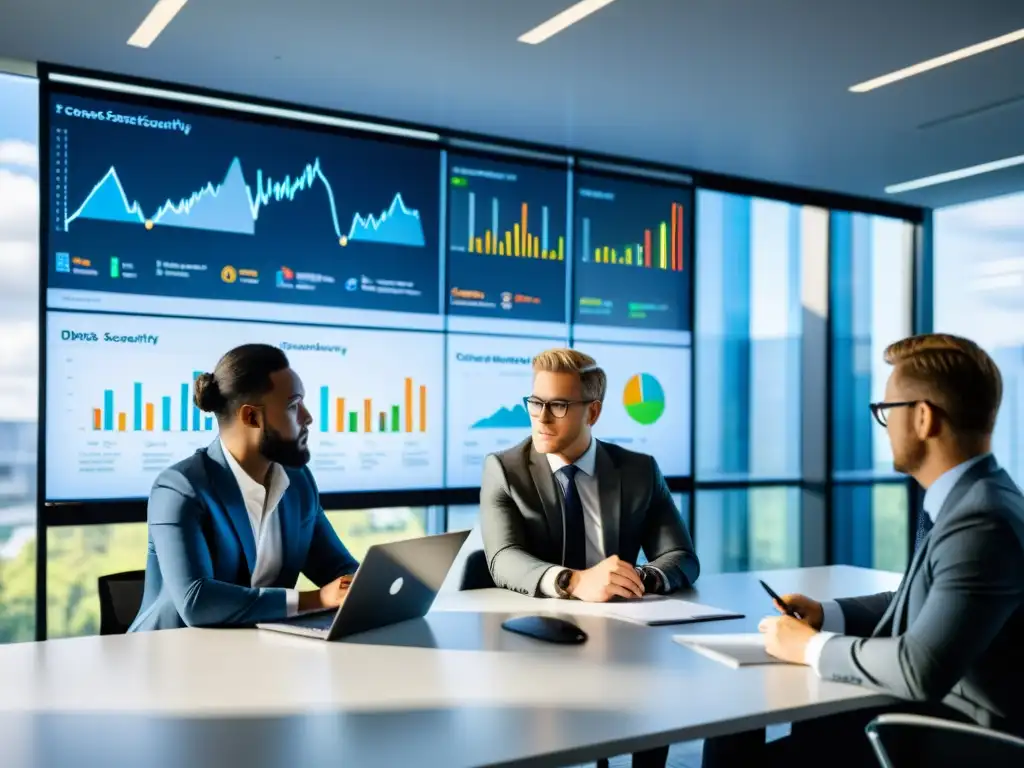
(656, 610)
(742, 650)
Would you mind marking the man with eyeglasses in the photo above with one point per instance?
(564, 515)
(949, 640)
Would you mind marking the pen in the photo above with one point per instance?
(771, 592)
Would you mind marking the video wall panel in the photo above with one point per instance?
(410, 286)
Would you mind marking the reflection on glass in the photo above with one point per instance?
(750, 319)
(746, 529)
(871, 307)
(979, 293)
(869, 525)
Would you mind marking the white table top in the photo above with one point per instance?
(453, 689)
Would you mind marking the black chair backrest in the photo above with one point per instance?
(475, 573)
(120, 599)
(902, 741)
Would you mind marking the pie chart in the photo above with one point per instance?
(644, 399)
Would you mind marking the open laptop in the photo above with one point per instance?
(395, 582)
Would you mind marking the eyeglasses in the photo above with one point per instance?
(558, 408)
(881, 410)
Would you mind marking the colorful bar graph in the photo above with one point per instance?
(661, 248)
(517, 241)
(353, 422)
(339, 414)
(367, 408)
(155, 415)
(396, 419)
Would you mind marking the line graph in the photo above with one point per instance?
(234, 206)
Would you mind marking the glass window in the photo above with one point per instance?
(746, 529)
(870, 525)
(463, 517)
(751, 261)
(19, 359)
(872, 263)
(76, 556)
(979, 293)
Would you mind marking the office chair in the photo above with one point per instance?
(912, 740)
(475, 573)
(120, 599)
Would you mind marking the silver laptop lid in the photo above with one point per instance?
(397, 582)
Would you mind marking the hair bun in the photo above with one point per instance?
(207, 395)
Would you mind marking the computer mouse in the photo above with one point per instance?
(550, 629)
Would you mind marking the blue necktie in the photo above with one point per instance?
(924, 525)
(575, 531)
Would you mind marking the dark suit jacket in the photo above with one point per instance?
(521, 516)
(202, 552)
(954, 631)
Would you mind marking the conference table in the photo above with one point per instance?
(452, 689)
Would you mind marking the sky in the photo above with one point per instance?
(19, 247)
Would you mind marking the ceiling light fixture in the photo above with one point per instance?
(159, 17)
(563, 20)
(962, 173)
(938, 61)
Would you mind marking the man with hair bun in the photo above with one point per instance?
(232, 526)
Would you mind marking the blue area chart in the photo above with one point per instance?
(234, 207)
(505, 418)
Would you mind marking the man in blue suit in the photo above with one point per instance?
(232, 526)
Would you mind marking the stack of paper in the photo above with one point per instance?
(741, 650)
(657, 610)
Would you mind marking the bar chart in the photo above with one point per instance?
(517, 242)
(631, 263)
(177, 412)
(657, 248)
(508, 243)
(336, 414)
(119, 406)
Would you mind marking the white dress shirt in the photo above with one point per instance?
(261, 505)
(833, 621)
(586, 486)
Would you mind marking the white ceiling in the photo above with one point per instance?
(753, 88)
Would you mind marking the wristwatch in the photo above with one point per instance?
(562, 581)
(651, 580)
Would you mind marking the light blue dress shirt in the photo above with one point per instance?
(833, 623)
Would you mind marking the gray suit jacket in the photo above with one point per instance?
(954, 631)
(521, 516)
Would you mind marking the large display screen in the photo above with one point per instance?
(507, 246)
(119, 401)
(167, 202)
(410, 286)
(632, 268)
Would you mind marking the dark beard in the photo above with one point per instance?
(287, 453)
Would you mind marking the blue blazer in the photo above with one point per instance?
(202, 551)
